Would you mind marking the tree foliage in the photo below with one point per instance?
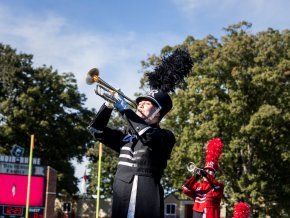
(238, 90)
(42, 102)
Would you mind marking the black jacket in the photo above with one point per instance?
(143, 149)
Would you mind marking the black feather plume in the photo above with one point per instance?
(171, 72)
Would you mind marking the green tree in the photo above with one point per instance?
(42, 102)
(238, 90)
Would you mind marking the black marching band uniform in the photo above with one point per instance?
(143, 148)
(143, 153)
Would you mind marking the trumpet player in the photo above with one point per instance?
(206, 191)
(143, 148)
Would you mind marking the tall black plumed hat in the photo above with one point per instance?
(165, 78)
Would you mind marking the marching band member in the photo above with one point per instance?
(143, 147)
(207, 192)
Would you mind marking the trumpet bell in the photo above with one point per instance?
(191, 167)
(92, 76)
(105, 90)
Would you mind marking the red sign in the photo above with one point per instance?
(10, 210)
(13, 190)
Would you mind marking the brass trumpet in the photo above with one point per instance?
(105, 90)
(191, 167)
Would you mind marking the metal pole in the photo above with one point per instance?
(29, 176)
(99, 179)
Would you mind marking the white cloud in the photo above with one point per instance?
(53, 42)
(210, 16)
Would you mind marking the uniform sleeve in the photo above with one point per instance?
(217, 186)
(212, 180)
(218, 191)
(188, 187)
(111, 138)
(102, 118)
(98, 128)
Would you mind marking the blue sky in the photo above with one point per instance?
(75, 36)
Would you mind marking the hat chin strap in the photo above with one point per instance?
(152, 116)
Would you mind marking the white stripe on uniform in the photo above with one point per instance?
(132, 203)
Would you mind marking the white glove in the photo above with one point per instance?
(92, 130)
(109, 104)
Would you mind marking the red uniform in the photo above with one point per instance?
(207, 195)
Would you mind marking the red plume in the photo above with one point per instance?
(213, 152)
(242, 210)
